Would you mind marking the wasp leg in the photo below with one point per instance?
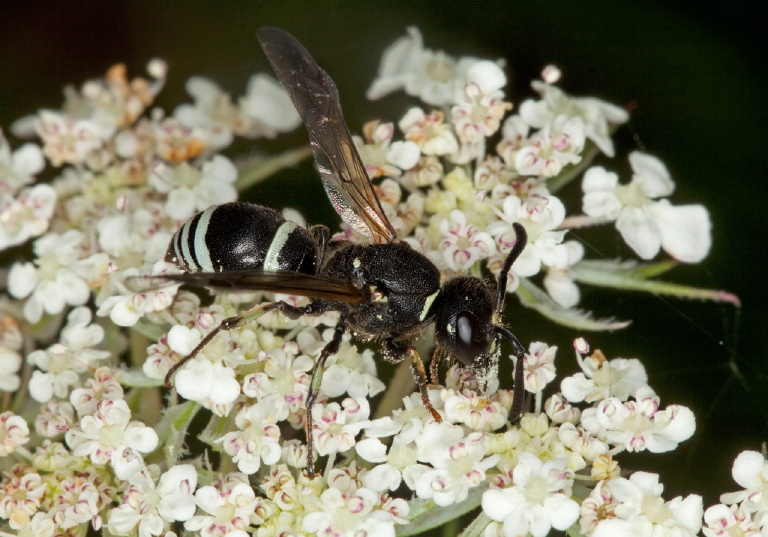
(244, 318)
(317, 377)
(434, 367)
(398, 353)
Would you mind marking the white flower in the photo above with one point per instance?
(477, 412)
(26, 216)
(429, 132)
(229, 507)
(540, 213)
(103, 386)
(335, 429)
(14, 432)
(559, 282)
(555, 146)
(190, 190)
(398, 463)
(426, 74)
(480, 105)
(723, 520)
(107, 433)
(284, 384)
(455, 469)
(213, 112)
(206, 377)
(257, 440)
(539, 364)
(59, 366)
(646, 225)
(268, 108)
(597, 115)
(10, 363)
(153, 506)
(637, 508)
(463, 244)
(383, 157)
(79, 500)
(55, 418)
(639, 425)
(66, 140)
(346, 514)
(538, 500)
(22, 495)
(750, 470)
(601, 379)
(19, 167)
(350, 371)
(54, 282)
(126, 309)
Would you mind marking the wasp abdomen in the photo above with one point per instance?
(242, 236)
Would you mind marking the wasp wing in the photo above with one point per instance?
(316, 99)
(292, 283)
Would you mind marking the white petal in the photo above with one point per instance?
(652, 175)
(141, 438)
(689, 512)
(639, 232)
(404, 154)
(576, 388)
(748, 469)
(383, 477)
(598, 179)
(22, 279)
(487, 75)
(686, 231)
(268, 103)
(173, 478)
(498, 504)
(372, 450)
(562, 511)
(176, 507)
(180, 204)
(182, 339)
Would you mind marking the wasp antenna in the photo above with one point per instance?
(518, 400)
(521, 239)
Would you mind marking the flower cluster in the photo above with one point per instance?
(88, 438)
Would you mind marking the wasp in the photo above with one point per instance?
(384, 290)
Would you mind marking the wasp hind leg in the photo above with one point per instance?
(240, 320)
(331, 348)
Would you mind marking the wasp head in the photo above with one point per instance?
(464, 325)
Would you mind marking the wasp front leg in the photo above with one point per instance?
(398, 353)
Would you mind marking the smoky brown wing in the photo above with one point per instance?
(292, 283)
(316, 99)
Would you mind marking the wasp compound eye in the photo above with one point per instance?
(468, 343)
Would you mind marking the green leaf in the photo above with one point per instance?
(533, 297)
(425, 515)
(264, 168)
(173, 429)
(135, 378)
(630, 276)
(477, 526)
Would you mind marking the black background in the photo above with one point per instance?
(697, 80)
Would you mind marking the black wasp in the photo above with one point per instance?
(385, 290)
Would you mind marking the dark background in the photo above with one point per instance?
(697, 80)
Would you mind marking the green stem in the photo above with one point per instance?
(262, 169)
